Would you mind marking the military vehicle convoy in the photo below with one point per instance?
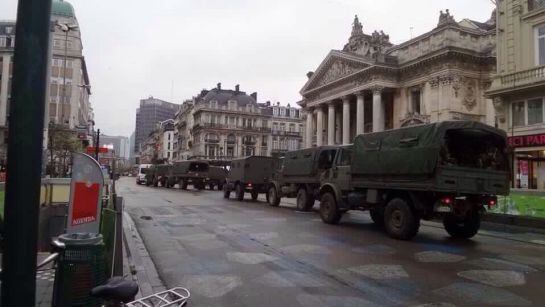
(449, 170)
(157, 174)
(299, 175)
(249, 175)
(216, 177)
(188, 172)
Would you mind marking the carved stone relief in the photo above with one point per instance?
(470, 99)
(336, 71)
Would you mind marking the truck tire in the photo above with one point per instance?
(329, 211)
(272, 196)
(155, 182)
(377, 215)
(305, 201)
(199, 186)
(226, 194)
(255, 195)
(183, 184)
(239, 190)
(463, 228)
(211, 186)
(400, 220)
(220, 187)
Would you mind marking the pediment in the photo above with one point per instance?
(333, 68)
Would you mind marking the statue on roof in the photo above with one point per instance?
(357, 28)
(445, 18)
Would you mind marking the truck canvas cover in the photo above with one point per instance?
(183, 167)
(409, 151)
(255, 169)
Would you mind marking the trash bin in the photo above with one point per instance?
(80, 267)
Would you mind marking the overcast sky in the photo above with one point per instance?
(172, 49)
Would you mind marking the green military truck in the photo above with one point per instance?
(251, 174)
(189, 172)
(299, 175)
(216, 177)
(449, 170)
(158, 174)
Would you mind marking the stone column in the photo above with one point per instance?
(360, 125)
(331, 124)
(310, 128)
(338, 131)
(319, 127)
(378, 110)
(346, 120)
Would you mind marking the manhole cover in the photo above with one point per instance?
(146, 217)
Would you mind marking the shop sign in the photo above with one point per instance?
(532, 140)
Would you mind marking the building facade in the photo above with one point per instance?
(518, 89)
(120, 145)
(68, 105)
(287, 129)
(151, 112)
(372, 85)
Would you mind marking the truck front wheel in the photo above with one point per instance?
(272, 197)
(400, 220)
(226, 193)
(329, 211)
(463, 228)
(240, 192)
(305, 202)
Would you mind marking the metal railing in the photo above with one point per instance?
(535, 5)
(230, 126)
(524, 77)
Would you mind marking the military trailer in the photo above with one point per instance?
(189, 172)
(251, 174)
(449, 170)
(216, 177)
(158, 174)
(299, 175)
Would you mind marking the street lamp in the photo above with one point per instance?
(66, 28)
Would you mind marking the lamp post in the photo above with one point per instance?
(66, 28)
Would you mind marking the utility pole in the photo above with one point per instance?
(97, 145)
(25, 147)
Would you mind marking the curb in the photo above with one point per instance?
(141, 267)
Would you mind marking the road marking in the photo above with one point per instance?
(524, 259)
(495, 278)
(263, 236)
(473, 293)
(212, 286)
(380, 271)
(197, 237)
(272, 219)
(439, 257)
(250, 258)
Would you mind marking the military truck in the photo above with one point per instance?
(449, 170)
(158, 174)
(189, 172)
(299, 175)
(216, 177)
(251, 174)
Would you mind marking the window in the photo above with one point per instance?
(518, 114)
(415, 101)
(535, 111)
(540, 45)
(282, 111)
(275, 111)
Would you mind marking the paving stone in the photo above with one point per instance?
(524, 259)
(439, 257)
(306, 248)
(495, 278)
(380, 271)
(250, 258)
(477, 294)
(375, 249)
(499, 264)
(333, 301)
(212, 285)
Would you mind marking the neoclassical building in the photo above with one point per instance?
(372, 85)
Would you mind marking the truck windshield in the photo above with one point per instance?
(143, 170)
(474, 148)
(198, 167)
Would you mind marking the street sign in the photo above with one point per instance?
(85, 195)
(92, 149)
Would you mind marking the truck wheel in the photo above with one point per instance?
(183, 184)
(255, 195)
(305, 202)
(329, 211)
(272, 196)
(199, 186)
(155, 182)
(400, 220)
(240, 192)
(463, 228)
(377, 215)
(226, 194)
(211, 186)
(220, 187)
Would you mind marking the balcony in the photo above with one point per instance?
(212, 141)
(535, 5)
(519, 80)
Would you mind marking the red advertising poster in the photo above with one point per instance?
(85, 203)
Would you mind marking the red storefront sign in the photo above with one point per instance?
(92, 150)
(532, 140)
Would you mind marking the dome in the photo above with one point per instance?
(62, 8)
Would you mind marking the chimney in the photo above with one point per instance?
(237, 88)
(268, 104)
(219, 86)
(254, 96)
(278, 103)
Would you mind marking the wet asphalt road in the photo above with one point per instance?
(231, 253)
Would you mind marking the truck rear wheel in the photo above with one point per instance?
(329, 211)
(272, 197)
(183, 184)
(463, 228)
(240, 192)
(226, 193)
(305, 201)
(255, 195)
(400, 220)
(199, 186)
(211, 186)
